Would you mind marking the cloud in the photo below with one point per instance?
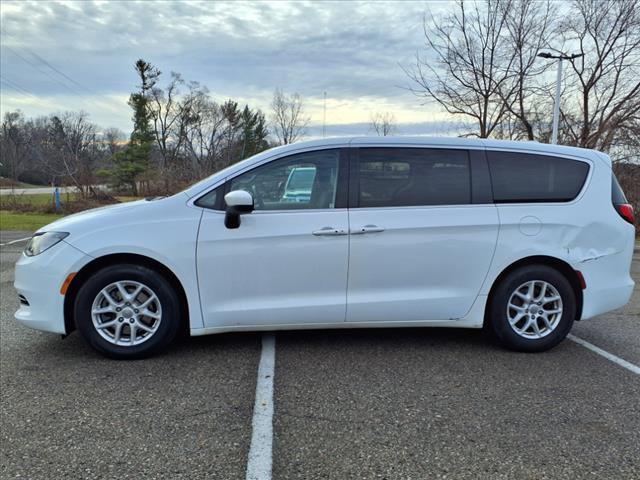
(240, 50)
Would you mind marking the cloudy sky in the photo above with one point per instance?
(79, 55)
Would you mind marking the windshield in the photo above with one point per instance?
(301, 179)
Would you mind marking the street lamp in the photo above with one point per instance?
(556, 104)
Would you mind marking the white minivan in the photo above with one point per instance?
(519, 238)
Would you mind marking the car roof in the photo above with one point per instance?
(446, 142)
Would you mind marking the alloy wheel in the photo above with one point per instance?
(534, 309)
(126, 313)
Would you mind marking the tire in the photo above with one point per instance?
(101, 311)
(513, 306)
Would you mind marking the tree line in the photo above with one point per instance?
(481, 64)
(180, 134)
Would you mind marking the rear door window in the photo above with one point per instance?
(403, 177)
(523, 177)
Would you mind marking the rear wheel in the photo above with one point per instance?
(127, 311)
(532, 309)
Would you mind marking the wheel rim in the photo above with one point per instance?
(126, 313)
(534, 309)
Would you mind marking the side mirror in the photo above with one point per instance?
(238, 202)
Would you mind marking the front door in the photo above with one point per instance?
(287, 262)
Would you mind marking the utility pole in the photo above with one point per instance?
(556, 103)
(324, 117)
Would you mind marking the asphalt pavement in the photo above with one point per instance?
(361, 404)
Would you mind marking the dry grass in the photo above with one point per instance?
(30, 212)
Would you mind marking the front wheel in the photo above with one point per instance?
(532, 309)
(127, 311)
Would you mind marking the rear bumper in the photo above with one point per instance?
(38, 279)
(606, 300)
(609, 283)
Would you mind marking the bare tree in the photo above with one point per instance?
(71, 149)
(383, 123)
(172, 113)
(606, 82)
(15, 144)
(113, 140)
(220, 135)
(472, 70)
(203, 142)
(289, 122)
(164, 108)
(196, 136)
(529, 24)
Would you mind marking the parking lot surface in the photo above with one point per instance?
(394, 404)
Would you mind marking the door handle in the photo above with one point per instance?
(367, 229)
(329, 231)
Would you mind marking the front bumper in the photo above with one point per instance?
(38, 280)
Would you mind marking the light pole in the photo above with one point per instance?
(556, 103)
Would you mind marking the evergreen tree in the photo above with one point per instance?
(134, 159)
(254, 132)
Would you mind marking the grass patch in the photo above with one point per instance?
(25, 220)
(30, 212)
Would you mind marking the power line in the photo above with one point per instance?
(59, 72)
(17, 87)
(93, 92)
(40, 70)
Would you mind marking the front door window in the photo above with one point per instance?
(302, 181)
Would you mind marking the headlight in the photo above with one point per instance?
(43, 241)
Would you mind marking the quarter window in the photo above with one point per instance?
(302, 181)
(211, 200)
(400, 177)
(522, 177)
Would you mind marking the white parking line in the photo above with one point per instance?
(623, 363)
(261, 450)
(14, 241)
